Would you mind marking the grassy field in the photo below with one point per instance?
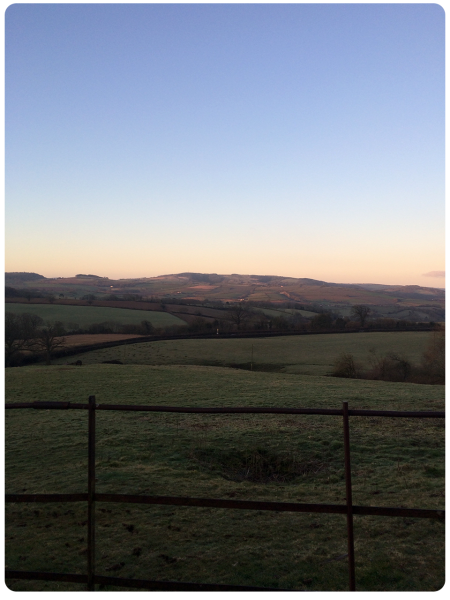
(395, 462)
(303, 354)
(84, 316)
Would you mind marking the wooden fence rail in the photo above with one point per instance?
(91, 579)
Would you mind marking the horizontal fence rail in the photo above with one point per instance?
(173, 586)
(420, 414)
(420, 513)
(348, 509)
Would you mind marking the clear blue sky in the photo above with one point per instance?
(297, 140)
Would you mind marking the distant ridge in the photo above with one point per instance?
(19, 277)
(399, 302)
(410, 291)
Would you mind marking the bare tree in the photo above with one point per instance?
(89, 298)
(49, 338)
(361, 312)
(239, 313)
(20, 332)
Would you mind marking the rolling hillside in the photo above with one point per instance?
(414, 303)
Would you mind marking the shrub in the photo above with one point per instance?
(147, 328)
(433, 359)
(105, 327)
(394, 367)
(198, 325)
(322, 321)
(391, 367)
(345, 366)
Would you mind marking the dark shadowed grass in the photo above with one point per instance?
(395, 462)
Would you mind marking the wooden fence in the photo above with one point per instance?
(348, 509)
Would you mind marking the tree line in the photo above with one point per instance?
(27, 333)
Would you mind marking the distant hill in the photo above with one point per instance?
(15, 278)
(411, 302)
(405, 291)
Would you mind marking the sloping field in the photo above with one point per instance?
(97, 338)
(302, 354)
(84, 316)
(250, 457)
(333, 293)
(180, 310)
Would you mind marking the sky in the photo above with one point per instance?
(304, 140)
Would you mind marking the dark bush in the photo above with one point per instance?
(322, 321)
(433, 359)
(345, 366)
(391, 367)
(394, 367)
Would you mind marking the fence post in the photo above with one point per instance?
(348, 494)
(91, 492)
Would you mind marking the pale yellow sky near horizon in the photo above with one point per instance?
(326, 254)
(126, 267)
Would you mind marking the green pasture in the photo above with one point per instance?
(269, 457)
(83, 316)
(395, 463)
(299, 354)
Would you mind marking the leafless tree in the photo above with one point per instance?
(20, 333)
(361, 312)
(49, 338)
(239, 313)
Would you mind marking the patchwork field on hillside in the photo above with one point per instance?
(413, 303)
(83, 316)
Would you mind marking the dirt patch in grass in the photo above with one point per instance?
(258, 466)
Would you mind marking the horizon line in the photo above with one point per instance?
(235, 274)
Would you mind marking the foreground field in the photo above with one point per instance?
(304, 354)
(394, 462)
